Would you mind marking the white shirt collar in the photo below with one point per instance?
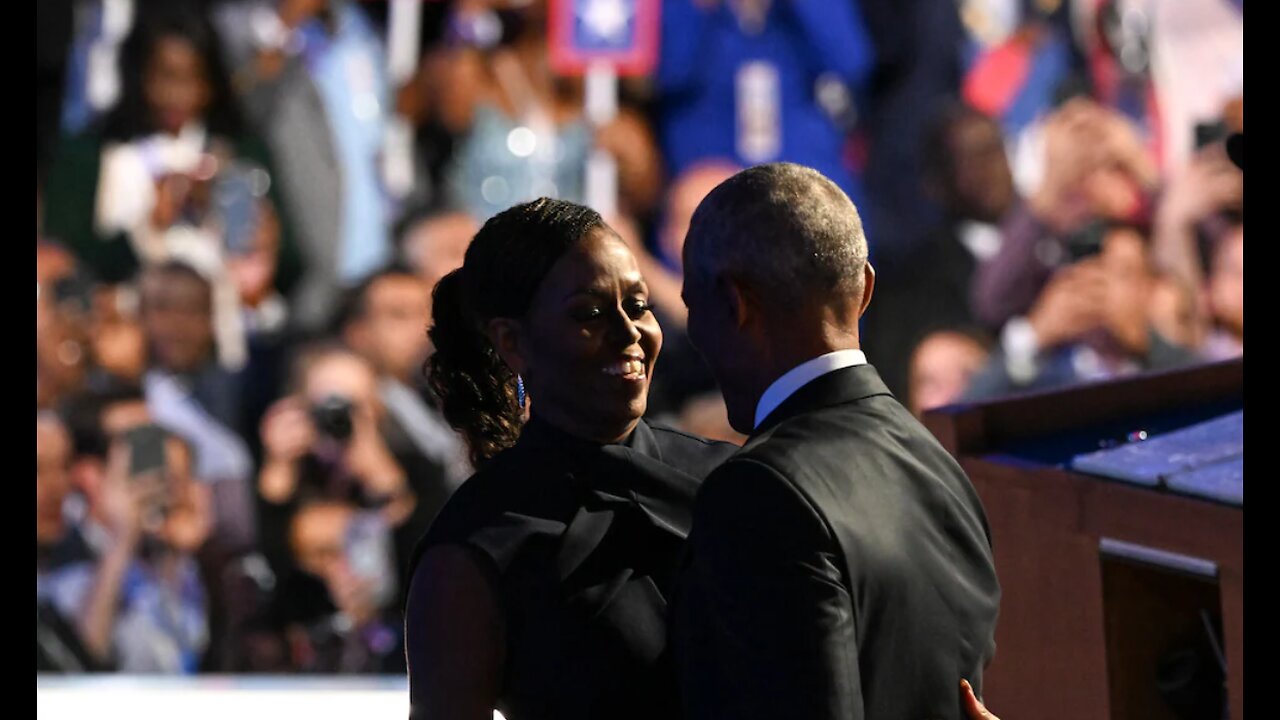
(801, 375)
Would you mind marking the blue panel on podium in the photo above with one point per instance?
(1222, 481)
(1206, 459)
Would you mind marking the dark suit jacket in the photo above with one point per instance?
(839, 567)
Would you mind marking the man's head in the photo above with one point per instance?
(941, 367)
(686, 192)
(327, 371)
(177, 315)
(436, 244)
(966, 167)
(316, 536)
(63, 327)
(1125, 263)
(776, 273)
(388, 322)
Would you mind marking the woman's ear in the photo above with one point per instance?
(508, 339)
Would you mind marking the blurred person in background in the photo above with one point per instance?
(967, 174)
(170, 168)
(138, 602)
(189, 392)
(1198, 207)
(93, 418)
(520, 130)
(919, 66)
(942, 366)
(682, 197)
(434, 243)
(55, 537)
(81, 338)
(1225, 295)
(747, 81)
(117, 340)
(97, 416)
(325, 441)
(1097, 172)
(386, 325)
(86, 332)
(1177, 312)
(62, 333)
(358, 625)
(58, 544)
(1092, 321)
(312, 76)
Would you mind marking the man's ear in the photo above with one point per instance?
(868, 286)
(508, 338)
(742, 304)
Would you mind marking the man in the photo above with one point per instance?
(928, 287)
(135, 596)
(188, 392)
(1094, 320)
(328, 440)
(386, 325)
(434, 243)
(840, 565)
(311, 76)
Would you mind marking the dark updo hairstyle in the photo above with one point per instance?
(504, 266)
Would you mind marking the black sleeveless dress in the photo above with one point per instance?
(582, 542)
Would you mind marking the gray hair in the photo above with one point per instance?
(783, 228)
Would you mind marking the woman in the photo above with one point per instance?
(169, 165)
(541, 588)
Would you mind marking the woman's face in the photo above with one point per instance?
(176, 85)
(586, 348)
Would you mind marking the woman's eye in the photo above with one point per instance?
(587, 314)
(638, 308)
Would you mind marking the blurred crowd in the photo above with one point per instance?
(243, 207)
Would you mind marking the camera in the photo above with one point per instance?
(332, 417)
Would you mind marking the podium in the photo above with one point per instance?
(1119, 600)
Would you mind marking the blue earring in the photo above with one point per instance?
(520, 390)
